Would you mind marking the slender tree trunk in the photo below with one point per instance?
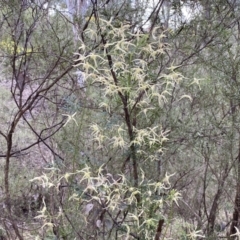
(215, 204)
(6, 182)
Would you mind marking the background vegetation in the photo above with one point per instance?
(119, 119)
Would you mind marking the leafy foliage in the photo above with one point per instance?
(150, 92)
(123, 196)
